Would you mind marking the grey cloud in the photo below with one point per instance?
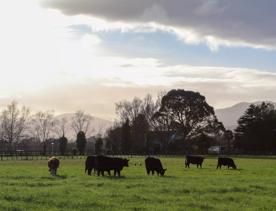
(242, 21)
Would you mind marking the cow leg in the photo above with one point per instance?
(98, 172)
(148, 171)
(52, 172)
(89, 171)
(119, 173)
(115, 173)
(109, 174)
(228, 166)
(152, 172)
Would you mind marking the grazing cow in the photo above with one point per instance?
(53, 164)
(198, 160)
(223, 161)
(90, 164)
(154, 164)
(104, 163)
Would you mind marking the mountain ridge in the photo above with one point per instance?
(230, 115)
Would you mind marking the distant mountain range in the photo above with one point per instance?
(230, 115)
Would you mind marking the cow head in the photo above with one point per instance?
(163, 172)
(125, 162)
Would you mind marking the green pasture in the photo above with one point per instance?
(27, 185)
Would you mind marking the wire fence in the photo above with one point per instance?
(29, 156)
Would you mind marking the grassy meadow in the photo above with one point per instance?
(27, 185)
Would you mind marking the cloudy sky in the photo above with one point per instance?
(88, 54)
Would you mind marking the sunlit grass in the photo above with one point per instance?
(27, 185)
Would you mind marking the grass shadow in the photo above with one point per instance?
(61, 176)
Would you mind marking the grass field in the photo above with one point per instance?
(27, 185)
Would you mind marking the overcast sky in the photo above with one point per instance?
(88, 54)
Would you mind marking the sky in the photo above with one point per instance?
(68, 55)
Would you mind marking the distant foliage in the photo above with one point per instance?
(81, 142)
(257, 128)
(98, 145)
(140, 131)
(126, 137)
(62, 144)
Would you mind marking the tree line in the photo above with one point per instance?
(178, 121)
(19, 129)
(183, 122)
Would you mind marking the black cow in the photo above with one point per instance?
(154, 164)
(104, 163)
(193, 159)
(223, 161)
(90, 164)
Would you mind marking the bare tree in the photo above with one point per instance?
(129, 110)
(14, 122)
(43, 125)
(81, 122)
(60, 127)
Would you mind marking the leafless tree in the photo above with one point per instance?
(43, 124)
(81, 122)
(14, 122)
(129, 110)
(61, 127)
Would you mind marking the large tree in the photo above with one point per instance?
(256, 129)
(13, 122)
(188, 113)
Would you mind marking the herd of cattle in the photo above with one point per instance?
(101, 164)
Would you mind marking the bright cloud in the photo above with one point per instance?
(48, 64)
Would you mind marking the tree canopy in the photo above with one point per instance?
(188, 112)
(257, 128)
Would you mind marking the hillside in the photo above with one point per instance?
(230, 115)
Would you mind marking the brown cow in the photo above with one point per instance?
(53, 164)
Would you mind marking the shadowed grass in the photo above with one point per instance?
(27, 185)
